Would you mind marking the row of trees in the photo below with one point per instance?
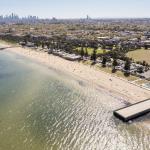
(68, 45)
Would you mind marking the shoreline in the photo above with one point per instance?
(119, 87)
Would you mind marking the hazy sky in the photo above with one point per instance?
(77, 8)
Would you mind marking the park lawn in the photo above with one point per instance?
(140, 55)
(142, 81)
(129, 78)
(8, 42)
(117, 73)
(88, 62)
(109, 70)
(90, 50)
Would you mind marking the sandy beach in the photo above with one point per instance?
(117, 86)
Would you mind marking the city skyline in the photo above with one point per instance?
(77, 9)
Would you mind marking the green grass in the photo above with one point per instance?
(88, 62)
(140, 82)
(8, 42)
(140, 55)
(109, 70)
(90, 50)
(117, 73)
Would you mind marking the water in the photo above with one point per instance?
(147, 85)
(44, 109)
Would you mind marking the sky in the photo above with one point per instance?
(77, 8)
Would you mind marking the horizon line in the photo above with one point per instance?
(67, 18)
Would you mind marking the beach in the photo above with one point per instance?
(112, 84)
(47, 102)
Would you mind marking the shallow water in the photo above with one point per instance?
(43, 109)
(147, 85)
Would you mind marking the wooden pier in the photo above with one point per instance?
(133, 111)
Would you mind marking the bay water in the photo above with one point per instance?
(42, 108)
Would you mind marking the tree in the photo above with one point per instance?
(144, 63)
(140, 70)
(93, 56)
(103, 46)
(37, 44)
(146, 46)
(82, 52)
(43, 45)
(104, 61)
(25, 41)
(104, 51)
(48, 45)
(86, 52)
(127, 65)
(27, 37)
(114, 64)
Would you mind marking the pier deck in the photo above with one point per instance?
(133, 111)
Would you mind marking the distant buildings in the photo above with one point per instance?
(14, 19)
